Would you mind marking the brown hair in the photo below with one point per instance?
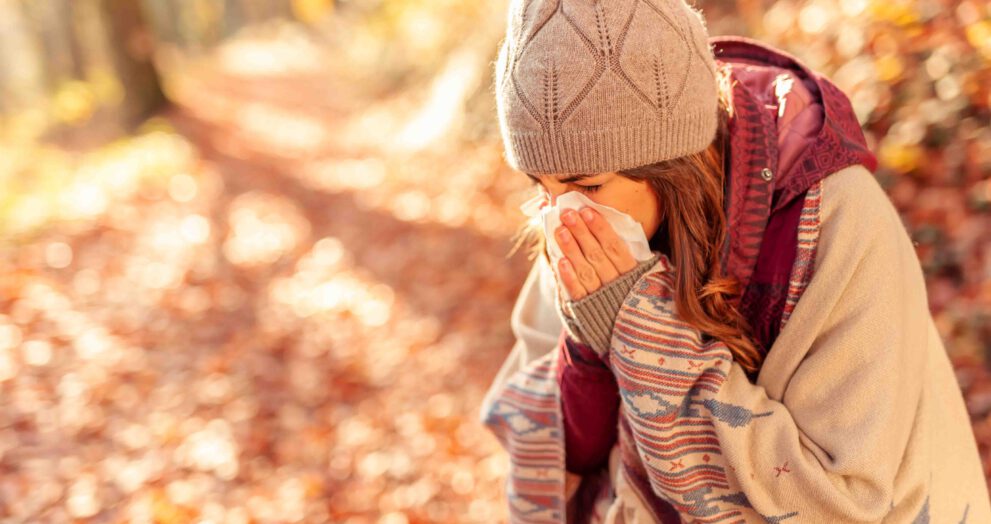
(692, 234)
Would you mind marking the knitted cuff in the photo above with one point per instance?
(590, 320)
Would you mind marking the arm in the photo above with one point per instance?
(825, 442)
(589, 395)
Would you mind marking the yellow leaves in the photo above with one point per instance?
(979, 36)
(900, 157)
(312, 11)
(73, 102)
(900, 13)
(889, 67)
(23, 126)
(46, 185)
(106, 87)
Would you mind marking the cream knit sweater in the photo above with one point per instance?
(865, 399)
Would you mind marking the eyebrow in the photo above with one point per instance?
(567, 179)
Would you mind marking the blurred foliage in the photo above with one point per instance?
(282, 298)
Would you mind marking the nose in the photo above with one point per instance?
(553, 192)
(550, 199)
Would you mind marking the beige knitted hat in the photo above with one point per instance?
(586, 86)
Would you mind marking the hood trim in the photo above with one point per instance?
(748, 198)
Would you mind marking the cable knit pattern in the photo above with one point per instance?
(588, 87)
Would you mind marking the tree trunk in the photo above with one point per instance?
(22, 74)
(233, 17)
(163, 20)
(131, 47)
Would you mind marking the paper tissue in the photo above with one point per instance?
(550, 217)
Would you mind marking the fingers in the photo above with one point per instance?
(572, 284)
(590, 248)
(586, 274)
(594, 254)
(612, 245)
(589, 245)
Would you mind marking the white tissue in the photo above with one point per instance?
(550, 217)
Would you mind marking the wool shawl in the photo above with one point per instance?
(690, 416)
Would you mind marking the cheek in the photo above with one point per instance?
(636, 199)
(644, 208)
(639, 202)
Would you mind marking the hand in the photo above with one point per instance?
(594, 254)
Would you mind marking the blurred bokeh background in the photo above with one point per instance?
(253, 253)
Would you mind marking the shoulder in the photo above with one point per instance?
(854, 182)
(860, 226)
(852, 197)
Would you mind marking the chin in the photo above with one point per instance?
(649, 229)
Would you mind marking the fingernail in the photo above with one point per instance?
(564, 235)
(568, 217)
(587, 214)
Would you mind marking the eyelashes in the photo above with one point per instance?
(589, 189)
(584, 189)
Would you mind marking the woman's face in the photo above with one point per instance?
(633, 197)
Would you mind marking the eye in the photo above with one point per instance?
(589, 189)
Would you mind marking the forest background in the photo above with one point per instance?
(253, 253)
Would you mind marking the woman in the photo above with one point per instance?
(776, 360)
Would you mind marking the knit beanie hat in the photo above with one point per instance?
(593, 86)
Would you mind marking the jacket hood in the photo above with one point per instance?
(776, 152)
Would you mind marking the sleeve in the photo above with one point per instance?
(589, 395)
(590, 319)
(589, 406)
(825, 443)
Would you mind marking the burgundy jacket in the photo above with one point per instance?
(787, 122)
